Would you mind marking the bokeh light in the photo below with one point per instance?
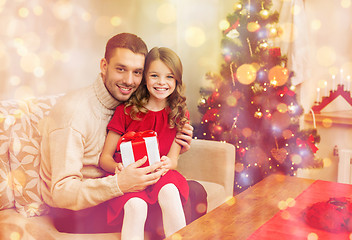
(296, 9)
(86, 16)
(15, 236)
(327, 122)
(175, 236)
(291, 202)
(15, 80)
(282, 107)
(296, 159)
(201, 208)
(278, 75)
(166, 13)
(282, 205)
(194, 36)
(23, 12)
(115, 21)
(38, 10)
(18, 174)
(326, 56)
(253, 26)
(347, 68)
(29, 62)
(285, 215)
(345, 3)
(223, 25)
(230, 201)
(312, 236)
(62, 9)
(281, 120)
(315, 24)
(246, 132)
(231, 101)
(246, 74)
(239, 167)
(327, 162)
(287, 134)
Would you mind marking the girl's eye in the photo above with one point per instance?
(170, 76)
(154, 75)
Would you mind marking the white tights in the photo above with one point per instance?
(172, 210)
(136, 213)
(134, 219)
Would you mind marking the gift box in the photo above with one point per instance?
(135, 145)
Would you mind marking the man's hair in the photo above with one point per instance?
(125, 40)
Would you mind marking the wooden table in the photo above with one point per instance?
(239, 217)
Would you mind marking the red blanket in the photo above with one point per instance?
(289, 223)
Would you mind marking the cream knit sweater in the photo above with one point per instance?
(73, 137)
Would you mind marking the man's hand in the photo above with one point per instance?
(134, 179)
(185, 137)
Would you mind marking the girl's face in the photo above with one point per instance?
(160, 81)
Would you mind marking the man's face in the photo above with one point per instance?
(123, 73)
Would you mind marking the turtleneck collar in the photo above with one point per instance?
(103, 94)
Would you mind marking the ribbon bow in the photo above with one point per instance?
(135, 137)
(234, 26)
(310, 142)
(285, 90)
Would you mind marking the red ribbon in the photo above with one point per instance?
(284, 91)
(135, 137)
(310, 142)
(234, 26)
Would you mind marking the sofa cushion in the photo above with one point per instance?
(8, 113)
(24, 155)
(216, 195)
(24, 159)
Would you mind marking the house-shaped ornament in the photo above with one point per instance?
(337, 106)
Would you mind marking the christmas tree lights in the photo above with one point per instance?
(253, 104)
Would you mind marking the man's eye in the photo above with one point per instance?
(138, 73)
(120, 69)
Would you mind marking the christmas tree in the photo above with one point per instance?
(253, 104)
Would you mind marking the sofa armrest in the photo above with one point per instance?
(209, 161)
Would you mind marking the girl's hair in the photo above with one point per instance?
(125, 40)
(176, 101)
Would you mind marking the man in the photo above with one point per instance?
(73, 137)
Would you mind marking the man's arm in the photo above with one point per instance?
(185, 138)
(68, 187)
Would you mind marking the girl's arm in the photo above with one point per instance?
(171, 159)
(106, 160)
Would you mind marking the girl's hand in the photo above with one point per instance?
(167, 163)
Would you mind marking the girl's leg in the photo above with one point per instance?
(134, 219)
(172, 210)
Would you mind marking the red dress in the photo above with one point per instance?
(157, 121)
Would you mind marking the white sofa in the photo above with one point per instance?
(23, 214)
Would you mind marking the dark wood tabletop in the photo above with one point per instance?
(240, 216)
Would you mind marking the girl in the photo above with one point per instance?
(159, 105)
